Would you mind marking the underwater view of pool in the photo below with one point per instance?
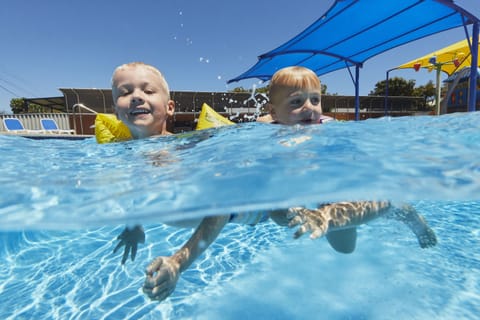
(64, 203)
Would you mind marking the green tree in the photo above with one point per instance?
(324, 88)
(262, 90)
(36, 108)
(17, 105)
(397, 86)
(243, 90)
(428, 91)
(239, 89)
(265, 89)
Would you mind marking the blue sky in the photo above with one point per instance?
(198, 45)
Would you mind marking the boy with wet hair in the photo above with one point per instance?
(142, 99)
(142, 102)
(295, 98)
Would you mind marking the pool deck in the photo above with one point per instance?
(42, 136)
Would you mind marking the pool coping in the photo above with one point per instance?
(42, 136)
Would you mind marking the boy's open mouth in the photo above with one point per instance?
(139, 111)
(307, 121)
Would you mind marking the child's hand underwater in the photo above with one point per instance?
(130, 239)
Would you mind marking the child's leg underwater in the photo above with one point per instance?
(407, 214)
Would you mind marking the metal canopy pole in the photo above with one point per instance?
(356, 82)
(387, 78)
(438, 88)
(472, 96)
(386, 92)
(357, 92)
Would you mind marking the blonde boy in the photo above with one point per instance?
(295, 97)
(142, 99)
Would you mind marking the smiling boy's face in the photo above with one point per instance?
(142, 100)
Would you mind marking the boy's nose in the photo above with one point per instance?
(137, 96)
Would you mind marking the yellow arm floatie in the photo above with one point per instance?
(109, 129)
(209, 118)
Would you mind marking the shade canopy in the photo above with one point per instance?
(449, 59)
(352, 31)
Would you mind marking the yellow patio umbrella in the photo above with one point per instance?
(449, 60)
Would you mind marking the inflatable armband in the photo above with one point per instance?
(210, 119)
(109, 129)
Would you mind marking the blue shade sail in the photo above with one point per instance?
(352, 31)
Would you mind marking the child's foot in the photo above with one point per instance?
(425, 235)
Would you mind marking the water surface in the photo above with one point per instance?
(64, 202)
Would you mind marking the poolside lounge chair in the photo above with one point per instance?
(14, 125)
(50, 126)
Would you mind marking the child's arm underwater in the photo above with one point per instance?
(336, 221)
(163, 272)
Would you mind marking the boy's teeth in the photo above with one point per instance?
(139, 111)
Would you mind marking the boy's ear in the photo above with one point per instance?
(170, 108)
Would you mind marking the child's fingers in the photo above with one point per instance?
(293, 212)
(125, 253)
(316, 234)
(134, 251)
(154, 266)
(297, 220)
(300, 232)
(121, 243)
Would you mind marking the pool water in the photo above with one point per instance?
(64, 202)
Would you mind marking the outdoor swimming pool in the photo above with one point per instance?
(74, 197)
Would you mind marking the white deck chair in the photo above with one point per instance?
(50, 126)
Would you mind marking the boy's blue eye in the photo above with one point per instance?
(300, 101)
(297, 102)
(315, 100)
